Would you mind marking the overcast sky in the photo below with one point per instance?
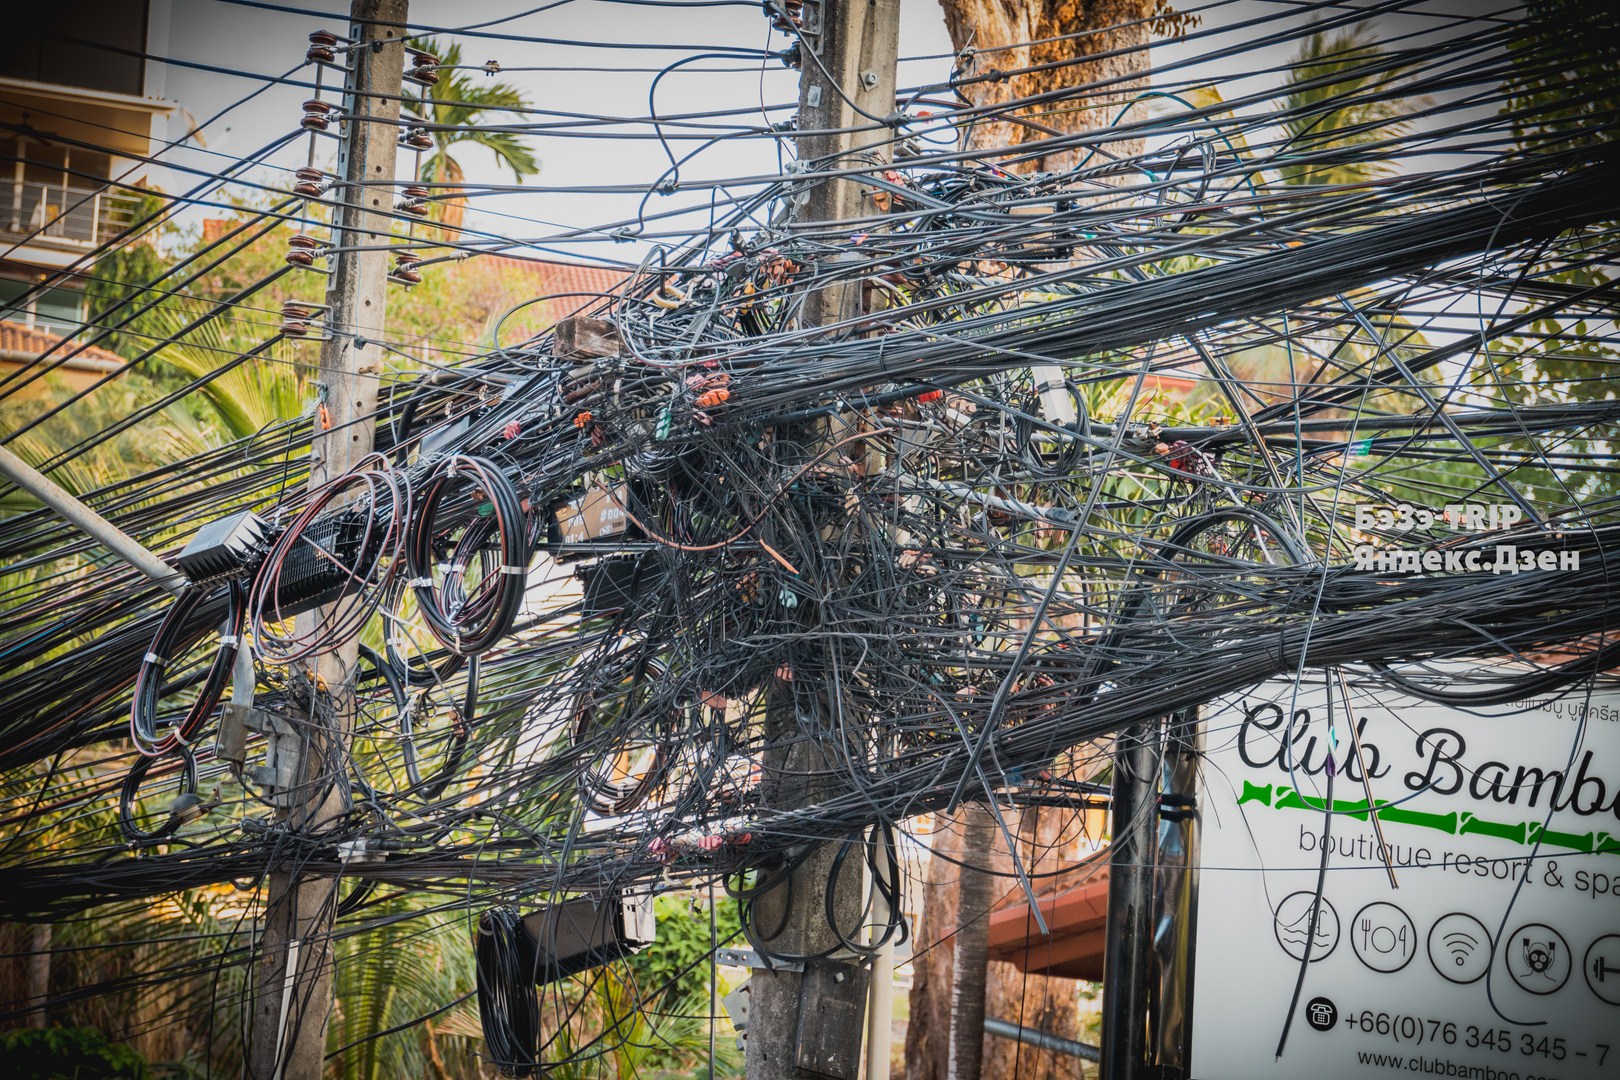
(269, 43)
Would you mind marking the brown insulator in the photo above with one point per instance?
(417, 139)
(309, 182)
(317, 115)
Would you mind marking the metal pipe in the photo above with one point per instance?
(1175, 914)
(880, 1006)
(1128, 949)
(88, 521)
(1045, 1040)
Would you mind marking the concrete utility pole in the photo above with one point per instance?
(293, 975)
(808, 1023)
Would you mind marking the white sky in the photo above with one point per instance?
(270, 42)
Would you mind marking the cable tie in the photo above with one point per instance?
(154, 658)
(227, 639)
(514, 570)
(419, 583)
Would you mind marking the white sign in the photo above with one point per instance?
(1496, 958)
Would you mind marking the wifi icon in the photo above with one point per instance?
(1460, 948)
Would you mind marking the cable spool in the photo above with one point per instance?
(469, 571)
(508, 1003)
(344, 561)
(166, 649)
(623, 731)
(186, 806)
(1065, 459)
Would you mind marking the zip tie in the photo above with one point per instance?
(154, 658)
(514, 569)
(227, 639)
(419, 583)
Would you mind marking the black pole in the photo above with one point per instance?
(1127, 960)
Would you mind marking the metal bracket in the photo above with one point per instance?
(748, 958)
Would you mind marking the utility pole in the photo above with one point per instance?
(293, 975)
(808, 1023)
(1128, 948)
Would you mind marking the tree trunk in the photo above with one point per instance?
(1120, 28)
(933, 958)
(39, 972)
(1039, 1002)
(452, 208)
(976, 892)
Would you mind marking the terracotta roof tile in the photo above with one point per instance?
(16, 338)
(556, 278)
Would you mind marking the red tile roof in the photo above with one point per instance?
(19, 342)
(558, 279)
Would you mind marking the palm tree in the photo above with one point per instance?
(1342, 95)
(452, 115)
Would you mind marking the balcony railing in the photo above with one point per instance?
(82, 216)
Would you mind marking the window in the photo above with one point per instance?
(94, 44)
(58, 311)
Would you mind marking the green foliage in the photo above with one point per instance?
(671, 980)
(69, 1053)
(453, 113)
(410, 966)
(1574, 101)
(121, 273)
(680, 955)
(1343, 94)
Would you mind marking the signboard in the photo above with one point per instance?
(1496, 958)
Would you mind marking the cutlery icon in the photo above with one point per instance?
(1386, 938)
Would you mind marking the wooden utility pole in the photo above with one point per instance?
(293, 975)
(808, 1023)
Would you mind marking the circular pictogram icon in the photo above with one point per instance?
(1293, 926)
(1537, 958)
(1383, 937)
(1460, 948)
(1602, 968)
(1321, 1013)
